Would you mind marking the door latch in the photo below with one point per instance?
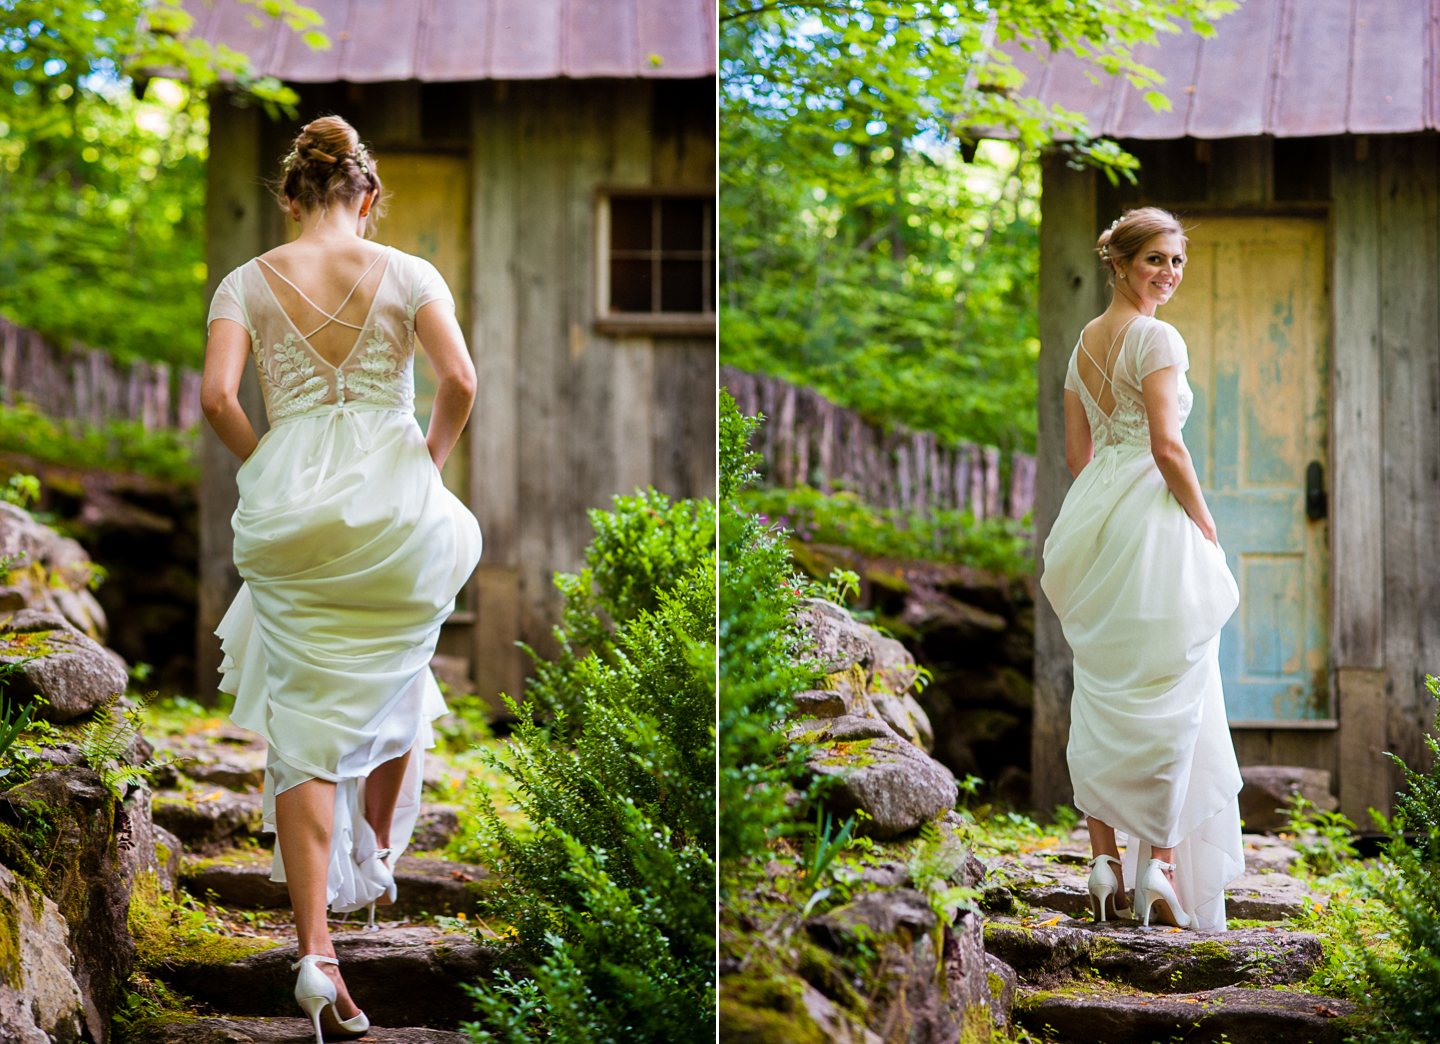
(1316, 503)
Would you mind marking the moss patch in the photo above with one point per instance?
(168, 934)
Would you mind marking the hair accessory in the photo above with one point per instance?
(362, 159)
(291, 157)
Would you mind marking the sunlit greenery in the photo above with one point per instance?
(872, 246)
(102, 169)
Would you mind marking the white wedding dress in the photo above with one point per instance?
(352, 551)
(1141, 596)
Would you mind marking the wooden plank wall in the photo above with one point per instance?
(569, 417)
(809, 440)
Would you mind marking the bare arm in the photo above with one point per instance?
(1162, 407)
(225, 355)
(444, 344)
(1079, 445)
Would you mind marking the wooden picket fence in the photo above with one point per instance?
(86, 384)
(807, 439)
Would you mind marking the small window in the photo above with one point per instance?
(657, 263)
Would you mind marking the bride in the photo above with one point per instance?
(1134, 570)
(351, 548)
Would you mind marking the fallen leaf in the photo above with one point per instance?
(1171, 931)
(1327, 1011)
(1047, 924)
(461, 875)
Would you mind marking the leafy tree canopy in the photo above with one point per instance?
(102, 168)
(873, 246)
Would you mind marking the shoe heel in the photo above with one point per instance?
(1098, 896)
(314, 1007)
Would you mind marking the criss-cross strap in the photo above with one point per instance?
(313, 958)
(330, 317)
(1108, 378)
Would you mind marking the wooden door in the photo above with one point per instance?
(1253, 311)
(427, 213)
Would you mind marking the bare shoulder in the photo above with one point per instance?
(300, 252)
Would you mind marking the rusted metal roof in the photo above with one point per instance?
(1291, 68)
(435, 40)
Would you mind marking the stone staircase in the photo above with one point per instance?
(1119, 983)
(407, 975)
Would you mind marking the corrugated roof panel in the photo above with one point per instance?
(527, 39)
(1176, 56)
(458, 41)
(1232, 88)
(1392, 48)
(1310, 93)
(382, 42)
(601, 39)
(297, 62)
(681, 35)
(435, 40)
(1293, 68)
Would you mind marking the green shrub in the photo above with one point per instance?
(119, 445)
(762, 654)
(610, 889)
(1002, 545)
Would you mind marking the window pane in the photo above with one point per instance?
(630, 223)
(629, 286)
(681, 224)
(680, 286)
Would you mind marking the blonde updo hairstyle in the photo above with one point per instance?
(328, 164)
(1130, 232)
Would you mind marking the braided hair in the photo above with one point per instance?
(328, 163)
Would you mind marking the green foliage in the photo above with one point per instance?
(823, 847)
(1418, 805)
(1324, 840)
(611, 887)
(105, 739)
(21, 490)
(13, 719)
(1001, 545)
(762, 656)
(119, 445)
(640, 551)
(102, 179)
(871, 252)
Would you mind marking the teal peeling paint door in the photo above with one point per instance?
(1252, 310)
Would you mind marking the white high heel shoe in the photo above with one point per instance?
(315, 992)
(1105, 889)
(1154, 888)
(381, 854)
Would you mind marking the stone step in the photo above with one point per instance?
(1163, 960)
(1254, 897)
(1234, 1014)
(240, 879)
(276, 1031)
(399, 976)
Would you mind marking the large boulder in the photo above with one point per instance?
(208, 818)
(840, 642)
(73, 673)
(67, 818)
(40, 1001)
(891, 779)
(1269, 789)
(48, 572)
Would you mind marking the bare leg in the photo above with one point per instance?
(1102, 842)
(382, 791)
(304, 818)
(1165, 855)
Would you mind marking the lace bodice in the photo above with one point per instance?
(378, 372)
(1149, 344)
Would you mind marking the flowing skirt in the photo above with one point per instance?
(352, 551)
(1141, 597)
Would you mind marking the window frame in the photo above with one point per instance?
(654, 324)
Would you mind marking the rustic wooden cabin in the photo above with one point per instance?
(556, 161)
(1301, 152)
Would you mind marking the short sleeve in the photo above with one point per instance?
(1158, 346)
(227, 302)
(1072, 373)
(429, 286)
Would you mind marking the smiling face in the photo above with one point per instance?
(1151, 277)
